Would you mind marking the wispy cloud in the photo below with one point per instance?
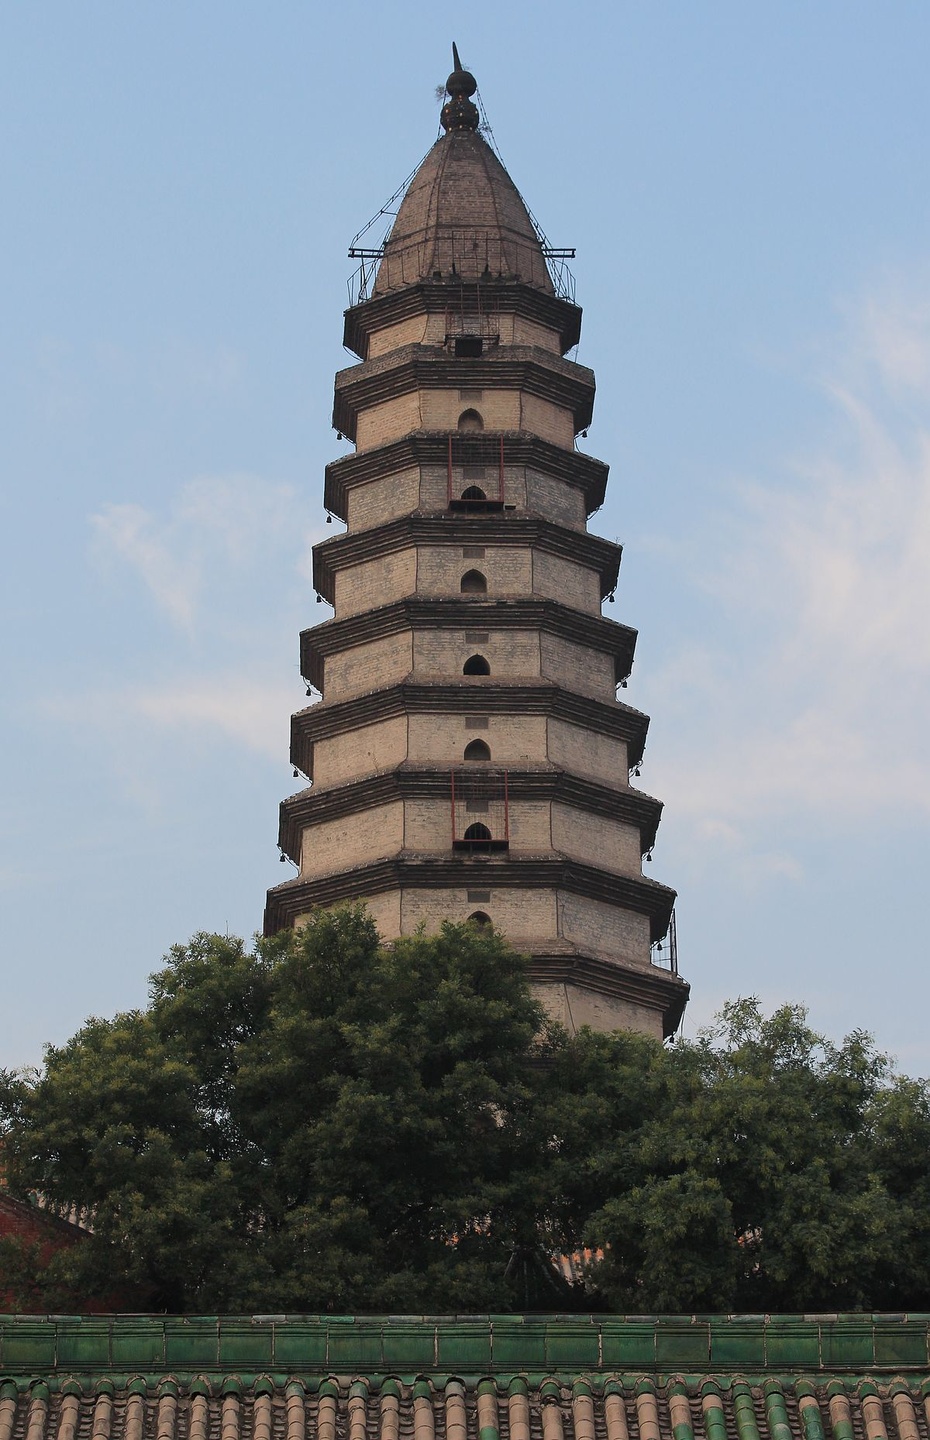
(252, 714)
(171, 576)
(813, 698)
(217, 527)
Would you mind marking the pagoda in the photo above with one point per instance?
(469, 759)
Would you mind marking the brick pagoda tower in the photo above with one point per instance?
(469, 757)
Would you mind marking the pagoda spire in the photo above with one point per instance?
(460, 112)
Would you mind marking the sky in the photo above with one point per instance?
(746, 187)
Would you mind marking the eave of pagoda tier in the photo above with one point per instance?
(441, 311)
(372, 486)
(430, 825)
(418, 387)
(527, 785)
(615, 916)
(431, 724)
(426, 639)
(519, 553)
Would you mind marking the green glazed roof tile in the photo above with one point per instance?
(517, 1344)
(357, 1347)
(300, 1345)
(464, 1346)
(846, 1344)
(191, 1344)
(898, 1344)
(245, 1343)
(570, 1345)
(682, 1345)
(738, 1346)
(626, 1342)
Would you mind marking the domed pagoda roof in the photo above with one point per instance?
(462, 218)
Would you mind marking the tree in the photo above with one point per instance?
(321, 1123)
(760, 1168)
(329, 1123)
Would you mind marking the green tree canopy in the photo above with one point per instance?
(326, 1123)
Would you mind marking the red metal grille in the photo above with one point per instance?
(475, 472)
(480, 809)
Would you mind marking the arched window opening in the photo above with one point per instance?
(474, 492)
(470, 420)
(477, 788)
(478, 917)
(477, 750)
(474, 583)
(476, 665)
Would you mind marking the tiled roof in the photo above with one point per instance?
(513, 1378)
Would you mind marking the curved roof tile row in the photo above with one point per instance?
(619, 1408)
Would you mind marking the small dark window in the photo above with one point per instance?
(477, 750)
(474, 492)
(477, 832)
(474, 583)
(476, 665)
(469, 345)
(470, 420)
(478, 917)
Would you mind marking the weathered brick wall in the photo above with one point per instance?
(530, 914)
(380, 424)
(554, 499)
(499, 409)
(384, 910)
(508, 569)
(520, 331)
(604, 929)
(381, 662)
(596, 840)
(417, 330)
(509, 652)
(376, 582)
(360, 752)
(573, 1006)
(588, 753)
(577, 667)
(441, 739)
(428, 825)
(552, 422)
(558, 579)
(382, 500)
(354, 839)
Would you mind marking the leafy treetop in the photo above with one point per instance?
(327, 1123)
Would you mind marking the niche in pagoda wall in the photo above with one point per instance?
(528, 914)
(512, 739)
(512, 653)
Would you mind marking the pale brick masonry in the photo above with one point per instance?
(467, 598)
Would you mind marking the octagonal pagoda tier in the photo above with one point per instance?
(469, 758)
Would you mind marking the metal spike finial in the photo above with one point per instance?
(456, 62)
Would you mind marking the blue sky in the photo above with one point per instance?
(746, 186)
